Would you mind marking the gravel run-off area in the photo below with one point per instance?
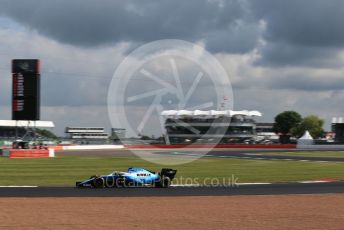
(234, 212)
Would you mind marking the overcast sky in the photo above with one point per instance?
(279, 55)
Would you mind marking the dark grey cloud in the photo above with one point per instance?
(225, 26)
(308, 83)
(300, 32)
(307, 32)
(237, 38)
(277, 54)
(308, 22)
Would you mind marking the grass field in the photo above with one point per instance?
(339, 154)
(65, 170)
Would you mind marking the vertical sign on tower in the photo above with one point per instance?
(26, 89)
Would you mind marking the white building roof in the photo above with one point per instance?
(211, 113)
(38, 124)
(184, 113)
(201, 113)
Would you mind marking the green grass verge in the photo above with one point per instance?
(335, 154)
(64, 171)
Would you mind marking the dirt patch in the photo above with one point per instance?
(235, 212)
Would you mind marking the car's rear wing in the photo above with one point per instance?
(171, 173)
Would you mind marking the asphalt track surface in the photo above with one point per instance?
(267, 189)
(259, 155)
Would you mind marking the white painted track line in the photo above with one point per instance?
(19, 186)
(256, 183)
(252, 183)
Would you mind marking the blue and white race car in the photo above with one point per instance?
(134, 177)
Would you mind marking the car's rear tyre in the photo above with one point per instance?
(98, 183)
(165, 182)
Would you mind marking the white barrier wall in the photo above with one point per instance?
(51, 152)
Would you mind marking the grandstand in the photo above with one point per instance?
(87, 135)
(183, 126)
(266, 133)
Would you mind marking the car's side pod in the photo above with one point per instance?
(168, 173)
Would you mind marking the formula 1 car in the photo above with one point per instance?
(134, 177)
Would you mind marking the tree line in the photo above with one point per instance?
(291, 123)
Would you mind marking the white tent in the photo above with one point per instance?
(306, 139)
